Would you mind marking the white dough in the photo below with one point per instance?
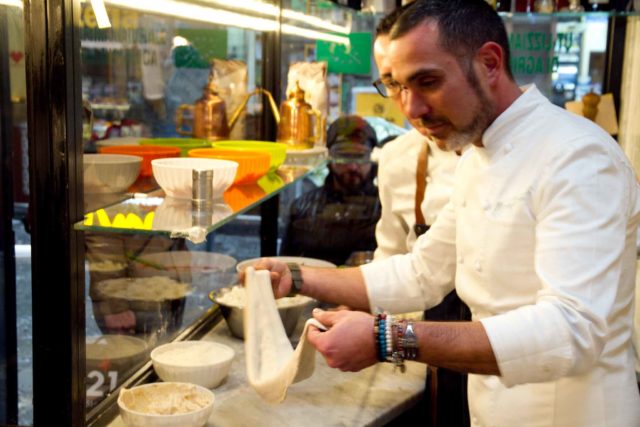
(272, 364)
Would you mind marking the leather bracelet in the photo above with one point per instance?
(296, 278)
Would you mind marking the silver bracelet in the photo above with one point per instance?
(410, 343)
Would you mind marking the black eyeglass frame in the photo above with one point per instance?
(383, 89)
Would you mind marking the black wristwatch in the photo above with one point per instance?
(296, 278)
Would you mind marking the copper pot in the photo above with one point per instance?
(300, 124)
(210, 114)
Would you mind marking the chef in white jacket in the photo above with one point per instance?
(395, 233)
(540, 236)
(398, 166)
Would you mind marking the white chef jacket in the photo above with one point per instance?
(540, 235)
(397, 188)
(636, 322)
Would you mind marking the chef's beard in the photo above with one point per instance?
(459, 138)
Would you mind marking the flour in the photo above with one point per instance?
(236, 297)
(193, 353)
(165, 399)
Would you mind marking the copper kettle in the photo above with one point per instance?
(300, 124)
(210, 114)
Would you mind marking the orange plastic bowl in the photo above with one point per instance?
(252, 165)
(147, 152)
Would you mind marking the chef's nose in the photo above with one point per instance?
(414, 104)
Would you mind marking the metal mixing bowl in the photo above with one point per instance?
(234, 315)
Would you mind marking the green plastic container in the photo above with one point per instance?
(277, 150)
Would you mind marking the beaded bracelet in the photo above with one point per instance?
(379, 333)
(395, 340)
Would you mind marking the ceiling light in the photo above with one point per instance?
(101, 14)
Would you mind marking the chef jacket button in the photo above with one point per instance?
(475, 421)
(486, 206)
(508, 147)
(464, 203)
(460, 260)
(478, 266)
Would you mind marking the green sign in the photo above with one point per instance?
(205, 44)
(352, 59)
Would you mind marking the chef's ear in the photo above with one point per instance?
(491, 59)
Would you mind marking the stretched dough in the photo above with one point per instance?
(272, 364)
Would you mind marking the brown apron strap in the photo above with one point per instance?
(433, 394)
(421, 181)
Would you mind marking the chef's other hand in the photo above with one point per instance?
(279, 272)
(349, 344)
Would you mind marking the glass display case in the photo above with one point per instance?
(134, 75)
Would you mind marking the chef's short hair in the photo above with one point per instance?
(463, 25)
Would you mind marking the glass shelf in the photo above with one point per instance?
(154, 214)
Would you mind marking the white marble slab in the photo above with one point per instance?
(371, 397)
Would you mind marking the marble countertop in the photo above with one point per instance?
(371, 397)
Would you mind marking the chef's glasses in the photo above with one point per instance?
(388, 87)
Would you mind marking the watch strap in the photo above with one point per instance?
(296, 278)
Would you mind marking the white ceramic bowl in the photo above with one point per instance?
(175, 177)
(311, 262)
(207, 270)
(150, 405)
(110, 173)
(197, 362)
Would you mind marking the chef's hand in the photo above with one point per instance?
(280, 275)
(349, 344)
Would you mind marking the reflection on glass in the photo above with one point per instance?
(141, 292)
(241, 196)
(270, 182)
(178, 214)
(563, 55)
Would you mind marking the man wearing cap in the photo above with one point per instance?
(339, 218)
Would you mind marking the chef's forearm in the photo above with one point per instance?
(459, 346)
(343, 286)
